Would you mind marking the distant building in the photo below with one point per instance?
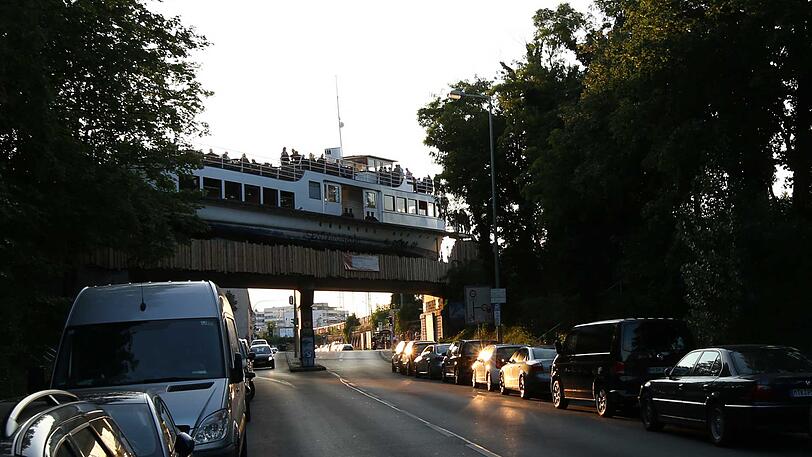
(244, 316)
(282, 317)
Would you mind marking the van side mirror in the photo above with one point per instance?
(252, 355)
(558, 348)
(237, 373)
(184, 444)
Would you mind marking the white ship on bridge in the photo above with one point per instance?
(361, 202)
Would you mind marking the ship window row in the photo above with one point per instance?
(229, 190)
(409, 206)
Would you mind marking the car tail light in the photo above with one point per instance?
(619, 368)
(762, 392)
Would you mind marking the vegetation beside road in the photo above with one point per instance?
(98, 105)
(637, 153)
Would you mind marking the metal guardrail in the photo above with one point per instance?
(293, 170)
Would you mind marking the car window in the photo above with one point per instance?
(684, 366)
(138, 425)
(111, 436)
(231, 329)
(709, 364)
(65, 450)
(760, 360)
(262, 350)
(594, 339)
(521, 355)
(167, 424)
(88, 444)
(543, 353)
(656, 336)
(441, 349)
(505, 353)
(471, 348)
(570, 342)
(428, 350)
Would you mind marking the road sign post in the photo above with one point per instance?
(498, 298)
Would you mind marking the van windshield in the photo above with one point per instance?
(122, 353)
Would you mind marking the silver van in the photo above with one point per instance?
(178, 340)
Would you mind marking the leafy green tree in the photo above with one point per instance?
(98, 105)
(350, 324)
(407, 312)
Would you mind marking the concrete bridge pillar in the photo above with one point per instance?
(306, 336)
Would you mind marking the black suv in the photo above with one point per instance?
(606, 362)
(460, 357)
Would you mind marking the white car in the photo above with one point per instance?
(258, 342)
(488, 363)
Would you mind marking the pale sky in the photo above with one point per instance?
(272, 66)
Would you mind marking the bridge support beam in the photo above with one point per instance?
(306, 336)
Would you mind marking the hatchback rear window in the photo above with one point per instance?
(656, 336)
(770, 360)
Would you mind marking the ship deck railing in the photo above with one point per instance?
(293, 170)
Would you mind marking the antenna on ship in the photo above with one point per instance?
(340, 124)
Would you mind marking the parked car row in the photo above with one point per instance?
(138, 358)
(334, 346)
(622, 364)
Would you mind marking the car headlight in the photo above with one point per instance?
(213, 427)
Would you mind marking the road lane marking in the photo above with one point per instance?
(444, 431)
(278, 381)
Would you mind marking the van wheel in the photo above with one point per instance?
(648, 414)
(557, 392)
(473, 380)
(603, 403)
(457, 378)
(488, 382)
(502, 387)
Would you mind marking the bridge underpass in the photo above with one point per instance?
(239, 264)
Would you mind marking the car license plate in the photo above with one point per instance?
(801, 393)
(657, 370)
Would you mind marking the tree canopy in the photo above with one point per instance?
(638, 148)
(98, 107)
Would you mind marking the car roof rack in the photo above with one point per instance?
(11, 424)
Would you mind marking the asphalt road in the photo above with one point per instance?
(360, 408)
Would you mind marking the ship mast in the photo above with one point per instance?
(340, 124)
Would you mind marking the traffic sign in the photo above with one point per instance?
(497, 314)
(498, 296)
(477, 305)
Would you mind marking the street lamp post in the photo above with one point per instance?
(457, 94)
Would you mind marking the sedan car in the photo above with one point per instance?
(430, 361)
(486, 367)
(145, 421)
(410, 352)
(728, 388)
(258, 342)
(64, 425)
(263, 356)
(459, 359)
(248, 366)
(528, 372)
(396, 356)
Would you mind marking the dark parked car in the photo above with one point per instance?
(57, 423)
(396, 356)
(607, 362)
(145, 421)
(528, 372)
(410, 352)
(248, 367)
(459, 359)
(728, 388)
(430, 361)
(489, 362)
(263, 356)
